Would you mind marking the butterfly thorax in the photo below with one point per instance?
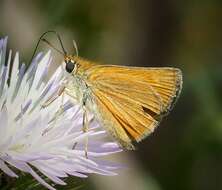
(77, 85)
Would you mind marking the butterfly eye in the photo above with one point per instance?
(70, 66)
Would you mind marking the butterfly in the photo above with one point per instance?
(129, 102)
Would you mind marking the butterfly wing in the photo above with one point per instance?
(130, 101)
(123, 115)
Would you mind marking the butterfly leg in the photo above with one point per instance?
(53, 98)
(61, 107)
(60, 110)
(85, 127)
(61, 92)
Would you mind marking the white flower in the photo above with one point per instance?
(32, 138)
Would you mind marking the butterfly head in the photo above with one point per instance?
(70, 64)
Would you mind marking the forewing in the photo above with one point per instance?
(166, 82)
(123, 115)
(131, 100)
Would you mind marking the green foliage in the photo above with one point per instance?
(27, 182)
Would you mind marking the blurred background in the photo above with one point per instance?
(185, 152)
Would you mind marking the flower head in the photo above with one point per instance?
(49, 141)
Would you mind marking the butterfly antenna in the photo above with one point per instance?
(75, 48)
(43, 39)
(47, 42)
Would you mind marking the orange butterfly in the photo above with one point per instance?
(129, 102)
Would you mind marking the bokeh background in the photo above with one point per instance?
(185, 152)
